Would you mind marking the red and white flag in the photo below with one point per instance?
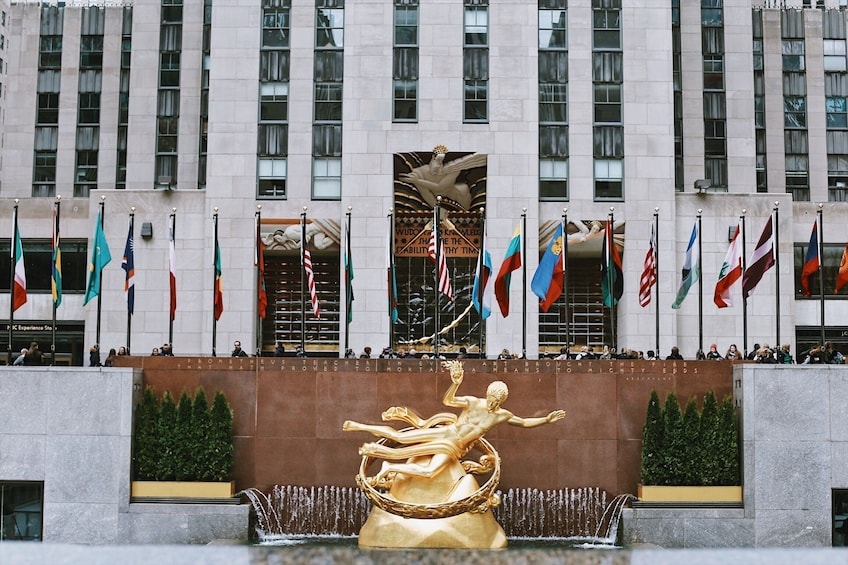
(731, 271)
(444, 276)
(761, 261)
(649, 273)
(310, 280)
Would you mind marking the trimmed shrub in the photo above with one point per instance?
(728, 456)
(694, 448)
(693, 453)
(652, 442)
(220, 441)
(709, 441)
(197, 437)
(166, 468)
(183, 442)
(674, 442)
(146, 445)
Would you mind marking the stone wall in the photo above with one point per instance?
(288, 412)
(795, 451)
(71, 428)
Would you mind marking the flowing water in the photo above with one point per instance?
(582, 514)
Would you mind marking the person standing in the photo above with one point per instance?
(674, 355)
(280, 350)
(94, 356)
(238, 351)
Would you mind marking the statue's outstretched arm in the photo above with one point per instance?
(533, 422)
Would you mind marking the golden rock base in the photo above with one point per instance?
(464, 531)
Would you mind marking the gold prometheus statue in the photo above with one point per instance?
(424, 493)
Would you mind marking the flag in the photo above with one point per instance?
(511, 262)
(547, 281)
(128, 265)
(19, 293)
(731, 271)
(649, 272)
(100, 257)
(172, 267)
(391, 282)
(349, 277)
(310, 280)
(612, 274)
(56, 269)
(691, 267)
(481, 297)
(444, 276)
(218, 299)
(842, 274)
(811, 261)
(262, 293)
(761, 261)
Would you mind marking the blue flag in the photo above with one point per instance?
(100, 257)
(480, 296)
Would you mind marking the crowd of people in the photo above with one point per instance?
(820, 353)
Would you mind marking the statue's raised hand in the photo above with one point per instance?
(456, 371)
(555, 415)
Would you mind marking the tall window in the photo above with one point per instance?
(836, 108)
(88, 99)
(124, 98)
(553, 100)
(204, 95)
(678, 94)
(476, 61)
(607, 79)
(795, 134)
(327, 101)
(273, 147)
(168, 106)
(759, 103)
(405, 67)
(714, 95)
(47, 103)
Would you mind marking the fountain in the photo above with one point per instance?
(424, 493)
(579, 515)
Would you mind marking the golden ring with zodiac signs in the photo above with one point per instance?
(479, 501)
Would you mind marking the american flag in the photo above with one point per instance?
(649, 273)
(444, 276)
(310, 280)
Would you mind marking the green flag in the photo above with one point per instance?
(100, 257)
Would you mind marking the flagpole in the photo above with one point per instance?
(14, 259)
(657, 275)
(260, 269)
(700, 286)
(171, 266)
(776, 249)
(214, 279)
(565, 277)
(347, 283)
(53, 266)
(744, 298)
(390, 290)
(302, 281)
(100, 271)
(436, 216)
(608, 261)
(821, 272)
(479, 281)
(524, 283)
(129, 314)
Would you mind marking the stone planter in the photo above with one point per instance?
(651, 493)
(181, 489)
